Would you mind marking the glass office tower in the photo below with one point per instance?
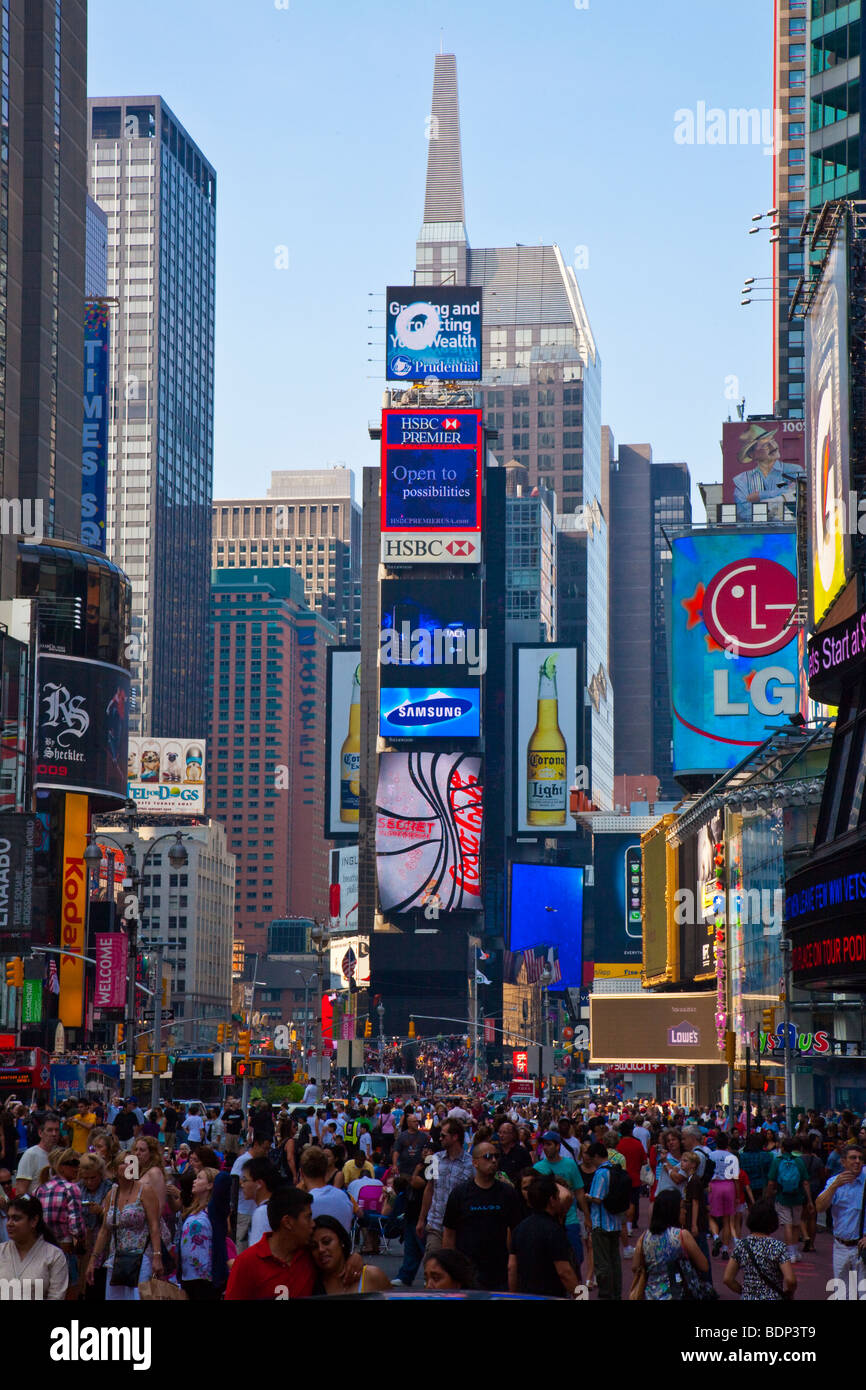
(159, 194)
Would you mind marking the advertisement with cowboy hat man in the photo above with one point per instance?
(761, 464)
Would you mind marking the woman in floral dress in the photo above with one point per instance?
(196, 1242)
(130, 1225)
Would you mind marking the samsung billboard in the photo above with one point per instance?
(433, 333)
(733, 643)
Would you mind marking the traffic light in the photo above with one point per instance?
(221, 1033)
(258, 1068)
(411, 1027)
(161, 1062)
(166, 981)
(730, 1047)
(468, 1042)
(140, 1063)
(15, 972)
(242, 1069)
(245, 1042)
(768, 1020)
(368, 1029)
(120, 1035)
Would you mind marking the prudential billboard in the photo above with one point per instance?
(733, 639)
(433, 332)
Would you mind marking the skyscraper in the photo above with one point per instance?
(541, 387)
(266, 752)
(42, 192)
(647, 500)
(309, 520)
(159, 193)
(789, 194)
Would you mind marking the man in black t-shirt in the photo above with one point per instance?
(171, 1119)
(126, 1125)
(409, 1146)
(233, 1123)
(513, 1157)
(540, 1259)
(479, 1218)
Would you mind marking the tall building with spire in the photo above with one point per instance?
(541, 383)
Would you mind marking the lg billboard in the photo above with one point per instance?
(733, 642)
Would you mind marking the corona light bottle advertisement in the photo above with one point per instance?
(546, 751)
(350, 757)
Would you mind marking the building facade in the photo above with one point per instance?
(159, 194)
(266, 773)
(42, 238)
(310, 521)
(791, 115)
(541, 387)
(647, 500)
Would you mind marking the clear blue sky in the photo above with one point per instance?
(313, 117)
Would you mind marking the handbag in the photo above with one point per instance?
(647, 1176)
(126, 1265)
(161, 1291)
(687, 1286)
(765, 1278)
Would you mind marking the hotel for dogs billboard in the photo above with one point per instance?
(733, 641)
(429, 824)
(431, 486)
(433, 333)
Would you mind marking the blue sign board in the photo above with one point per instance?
(733, 643)
(431, 470)
(94, 436)
(430, 713)
(433, 331)
(547, 910)
(67, 1082)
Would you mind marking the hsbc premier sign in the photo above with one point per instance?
(431, 486)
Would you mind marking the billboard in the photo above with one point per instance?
(73, 912)
(350, 961)
(82, 726)
(733, 641)
(677, 1029)
(431, 486)
(344, 871)
(343, 742)
(419, 712)
(94, 437)
(828, 431)
(547, 910)
(761, 462)
(20, 837)
(429, 824)
(166, 775)
(616, 898)
(111, 951)
(433, 332)
(430, 631)
(545, 737)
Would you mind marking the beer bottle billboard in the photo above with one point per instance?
(546, 759)
(350, 757)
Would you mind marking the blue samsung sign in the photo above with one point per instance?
(425, 713)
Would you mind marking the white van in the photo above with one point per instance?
(378, 1086)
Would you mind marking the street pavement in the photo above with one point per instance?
(813, 1271)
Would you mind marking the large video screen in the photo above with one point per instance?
(545, 751)
(429, 826)
(827, 419)
(547, 910)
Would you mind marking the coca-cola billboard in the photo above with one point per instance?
(429, 824)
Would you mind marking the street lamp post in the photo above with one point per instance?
(308, 980)
(178, 859)
(544, 980)
(320, 936)
(380, 1010)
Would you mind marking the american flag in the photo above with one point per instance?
(537, 958)
(53, 980)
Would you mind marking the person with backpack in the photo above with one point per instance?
(788, 1187)
(663, 1247)
(609, 1197)
(723, 1194)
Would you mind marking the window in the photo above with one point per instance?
(797, 106)
(797, 53)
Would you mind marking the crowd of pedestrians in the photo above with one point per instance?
(112, 1202)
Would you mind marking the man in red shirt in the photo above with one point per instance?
(632, 1151)
(278, 1266)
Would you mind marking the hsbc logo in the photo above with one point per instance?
(441, 548)
(451, 423)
